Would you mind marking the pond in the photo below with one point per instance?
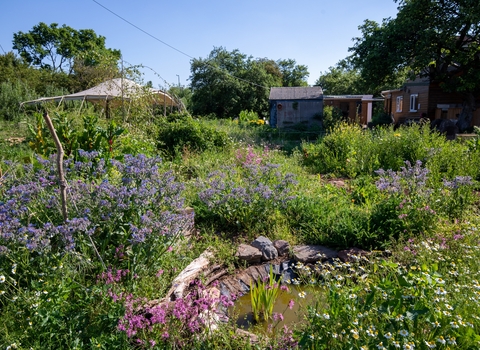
(302, 296)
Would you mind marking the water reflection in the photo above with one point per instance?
(243, 308)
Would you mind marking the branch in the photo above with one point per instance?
(61, 176)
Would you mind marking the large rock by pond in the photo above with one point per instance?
(249, 254)
(269, 252)
(283, 247)
(313, 253)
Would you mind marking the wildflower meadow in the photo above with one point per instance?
(140, 210)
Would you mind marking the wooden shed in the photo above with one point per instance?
(296, 105)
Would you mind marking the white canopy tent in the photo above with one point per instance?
(114, 91)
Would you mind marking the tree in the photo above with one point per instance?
(438, 39)
(342, 79)
(55, 48)
(225, 83)
(293, 74)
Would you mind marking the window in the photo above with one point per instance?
(413, 102)
(399, 103)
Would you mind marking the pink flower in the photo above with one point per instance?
(290, 304)
(159, 273)
(170, 249)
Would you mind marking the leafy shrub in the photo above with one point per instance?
(350, 151)
(92, 137)
(346, 151)
(331, 117)
(11, 95)
(189, 134)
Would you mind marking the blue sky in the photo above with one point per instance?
(316, 33)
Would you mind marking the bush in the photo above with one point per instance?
(187, 133)
(331, 117)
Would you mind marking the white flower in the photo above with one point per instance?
(2, 278)
(302, 294)
(403, 333)
(430, 344)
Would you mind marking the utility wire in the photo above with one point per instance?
(174, 48)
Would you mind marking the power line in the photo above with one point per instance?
(174, 48)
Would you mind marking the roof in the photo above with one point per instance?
(118, 88)
(352, 97)
(296, 93)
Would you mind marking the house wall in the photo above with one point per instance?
(291, 112)
(422, 103)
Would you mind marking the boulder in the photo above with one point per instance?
(313, 253)
(249, 254)
(283, 247)
(269, 252)
(352, 254)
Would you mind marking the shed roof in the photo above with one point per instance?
(296, 93)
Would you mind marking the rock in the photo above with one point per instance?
(276, 269)
(283, 247)
(269, 252)
(313, 253)
(352, 254)
(249, 254)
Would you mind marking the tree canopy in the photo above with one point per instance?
(438, 39)
(342, 79)
(56, 48)
(225, 83)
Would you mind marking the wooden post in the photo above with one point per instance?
(61, 176)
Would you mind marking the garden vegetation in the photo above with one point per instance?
(81, 283)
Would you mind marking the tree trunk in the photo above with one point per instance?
(466, 116)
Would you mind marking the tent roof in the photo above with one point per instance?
(118, 88)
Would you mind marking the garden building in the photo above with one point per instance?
(296, 105)
(355, 108)
(423, 98)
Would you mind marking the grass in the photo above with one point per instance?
(117, 253)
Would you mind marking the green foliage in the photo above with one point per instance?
(293, 74)
(264, 294)
(391, 299)
(248, 116)
(340, 80)
(331, 117)
(226, 83)
(349, 151)
(187, 133)
(54, 48)
(11, 95)
(444, 50)
(92, 137)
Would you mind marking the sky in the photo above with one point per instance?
(165, 35)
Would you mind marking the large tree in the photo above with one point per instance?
(57, 48)
(438, 39)
(342, 79)
(225, 83)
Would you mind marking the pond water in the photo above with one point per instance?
(243, 308)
